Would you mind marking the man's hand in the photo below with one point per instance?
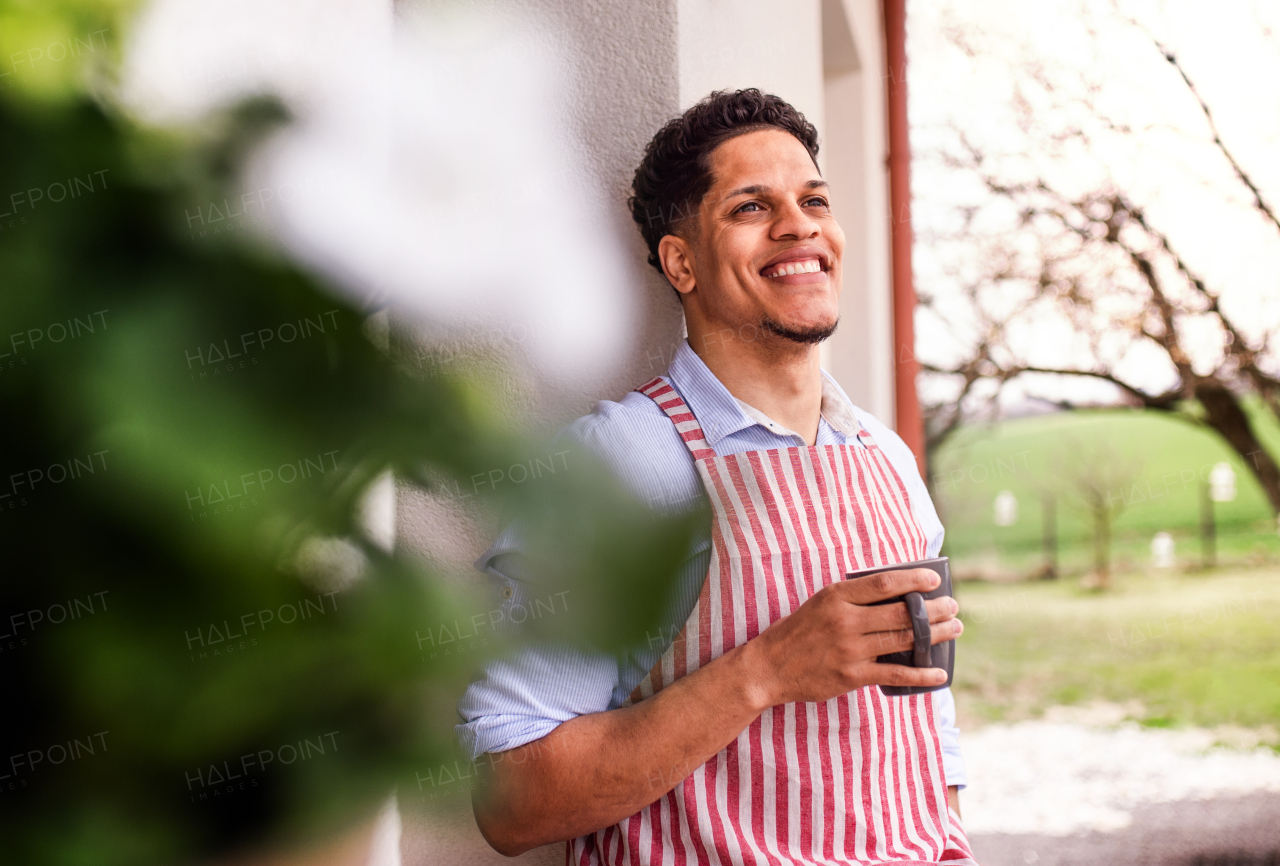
(595, 770)
(829, 645)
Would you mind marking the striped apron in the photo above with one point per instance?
(857, 779)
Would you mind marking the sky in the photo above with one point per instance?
(972, 67)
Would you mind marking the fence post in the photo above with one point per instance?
(1208, 529)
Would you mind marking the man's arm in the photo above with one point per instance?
(595, 770)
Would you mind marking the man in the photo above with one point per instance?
(756, 732)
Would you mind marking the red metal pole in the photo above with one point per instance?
(909, 421)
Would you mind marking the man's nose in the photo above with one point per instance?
(793, 222)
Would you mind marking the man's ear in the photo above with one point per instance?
(677, 262)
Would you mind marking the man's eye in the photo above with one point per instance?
(817, 200)
(750, 204)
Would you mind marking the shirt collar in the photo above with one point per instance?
(721, 415)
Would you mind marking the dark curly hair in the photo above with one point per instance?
(676, 170)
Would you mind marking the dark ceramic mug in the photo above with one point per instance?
(923, 654)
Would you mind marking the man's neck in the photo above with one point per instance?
(780, 378)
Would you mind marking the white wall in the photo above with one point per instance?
(732, 44)
(620, 59)
(860, 355)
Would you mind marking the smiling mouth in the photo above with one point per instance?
(797, 266)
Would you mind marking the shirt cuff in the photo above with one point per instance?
(953, 768)
(498, 733)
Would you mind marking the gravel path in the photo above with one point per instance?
(1084, 786)
(1228, 831)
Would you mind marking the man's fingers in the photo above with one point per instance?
(890, 617)
(887, 584)
(901, 675)
(904, 639)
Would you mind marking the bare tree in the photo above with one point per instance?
(1096, 477)
(1094, 266)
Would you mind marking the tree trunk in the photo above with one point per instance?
(1049, 534)
(1224, 414)
(1102, 547)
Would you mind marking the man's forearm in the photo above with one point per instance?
(595, 770)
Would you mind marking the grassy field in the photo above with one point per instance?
(1192, 648)
(1191, 645)
(1165, 463)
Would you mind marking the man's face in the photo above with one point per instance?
(766, 249)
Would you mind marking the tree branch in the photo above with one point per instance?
(1258, 201)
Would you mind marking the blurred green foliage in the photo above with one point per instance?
(144, 490)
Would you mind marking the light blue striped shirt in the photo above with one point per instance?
(519, 699)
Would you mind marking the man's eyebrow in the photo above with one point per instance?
(754, 189)
(762, 189)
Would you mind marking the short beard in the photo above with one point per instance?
(805, 336)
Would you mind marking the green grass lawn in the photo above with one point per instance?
(1193, 646)
(1198, 649)
(1170, 459)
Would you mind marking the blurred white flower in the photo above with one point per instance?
(429, 169)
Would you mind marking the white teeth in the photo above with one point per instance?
(809, 267)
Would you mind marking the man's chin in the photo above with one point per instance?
(807, 335)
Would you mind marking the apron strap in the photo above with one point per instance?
(660, 392)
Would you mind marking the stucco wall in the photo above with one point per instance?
(860, 355)
(730, 44)
(620, 64)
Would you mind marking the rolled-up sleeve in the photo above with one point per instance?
(526, 695)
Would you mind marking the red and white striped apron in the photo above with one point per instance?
(855, 780)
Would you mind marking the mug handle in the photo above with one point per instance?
(921, 651)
